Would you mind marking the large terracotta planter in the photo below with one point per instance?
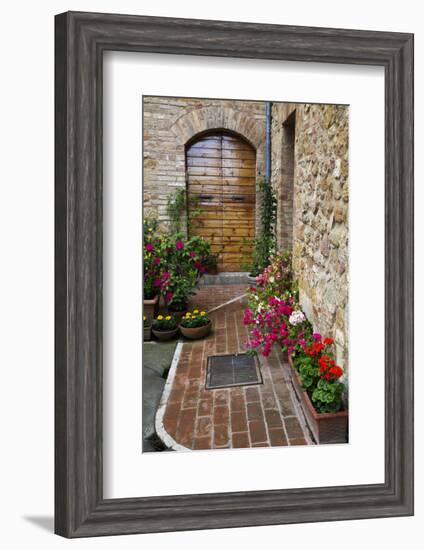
(195, 333)
(325, 427)
(151, 307)
(164, 335)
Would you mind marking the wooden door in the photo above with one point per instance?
(221, 176)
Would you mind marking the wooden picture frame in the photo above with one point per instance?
(81, 39)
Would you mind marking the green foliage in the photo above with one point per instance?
(178, 211)
(150, 226)
(164, 323)
(327, 396)
(195, 319)
(309, 373)
(194, 211)
(200, 246)
(265, 242)
(176, 208)
(151, 265)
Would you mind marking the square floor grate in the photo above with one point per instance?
(224, 371)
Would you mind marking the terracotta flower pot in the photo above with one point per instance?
(164, 335)
(195, 333)
(295, 378)
(325, 427)
(147, 333)
(151, 307)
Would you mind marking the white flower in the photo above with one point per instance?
(297, 317)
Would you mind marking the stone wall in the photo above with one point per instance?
(169, 123)
(320, 211)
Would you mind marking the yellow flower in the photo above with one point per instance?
(144, 317)
(168, 317)
(196, 311)
(203, 313)
(188, 314)
(160, 317)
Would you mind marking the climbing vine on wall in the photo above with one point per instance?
(265, 242)
(176, 208)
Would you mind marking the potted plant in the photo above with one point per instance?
(195, 325)
(316, 380)
(151, 269)
(147, 326)
(164, 327)
(181, 273)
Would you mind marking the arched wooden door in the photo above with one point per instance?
(221, 175)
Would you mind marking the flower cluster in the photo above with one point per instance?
(297, 317)
(195, 319)
(328, 370)
(320, 375)
(162, 322)
(276, 319)
(172, 264)
(273, 313)
(151, 258)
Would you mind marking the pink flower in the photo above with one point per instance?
(179, 245)
(165, 275)
(156, 260)
(157, 282)
(316, 336)
(267, 349)
(192, 254)
(247, 316)
(168, 296)
(149, 247)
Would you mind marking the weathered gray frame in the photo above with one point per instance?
(81, 39)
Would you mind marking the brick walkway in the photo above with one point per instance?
(209, 297)
(250, 416)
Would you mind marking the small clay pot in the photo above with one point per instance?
(147, 333)
(164, 335)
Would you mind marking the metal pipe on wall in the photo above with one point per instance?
(268, 115)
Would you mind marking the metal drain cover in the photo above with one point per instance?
(224, 371)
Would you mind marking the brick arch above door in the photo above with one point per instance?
(198, 121)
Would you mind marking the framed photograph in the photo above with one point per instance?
(234, 274)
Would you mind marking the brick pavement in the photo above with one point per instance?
(250, 416)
